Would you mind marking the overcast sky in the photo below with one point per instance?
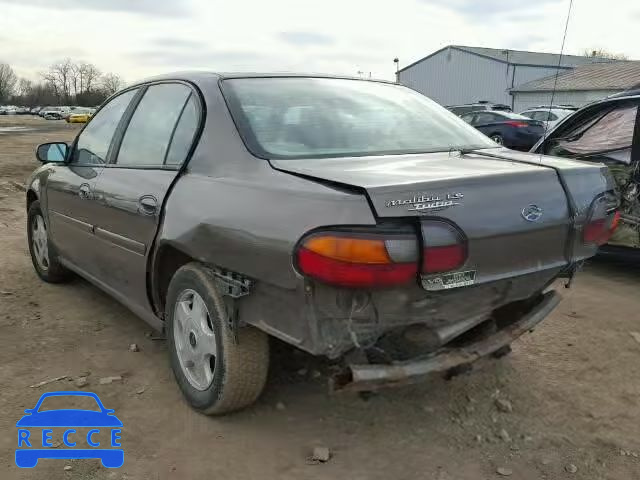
(137, 38)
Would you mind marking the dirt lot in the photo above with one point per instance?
(574, 385)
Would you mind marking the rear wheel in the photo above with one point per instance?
(217, 371)
(43, 254)
(496, 137)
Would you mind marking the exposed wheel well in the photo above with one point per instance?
(31, 197)
(168, 260)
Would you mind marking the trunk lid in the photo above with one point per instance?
(514, 215)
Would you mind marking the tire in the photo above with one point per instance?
(51, 270)
(220, 382)
(496, 137)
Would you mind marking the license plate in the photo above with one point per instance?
(448, 280)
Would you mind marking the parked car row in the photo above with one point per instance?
(507, 128)
(52, 113)
(13, 110)
(517, 131)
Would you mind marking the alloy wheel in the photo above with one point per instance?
(40, 242)
(195, 339)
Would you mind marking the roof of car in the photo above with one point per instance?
(195, 75)
(546, 109)
(479, 104)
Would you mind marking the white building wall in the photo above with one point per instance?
(453, 77)
(526, 100)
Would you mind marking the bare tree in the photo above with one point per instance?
(51, 81)
(89, 76)
(8, 81)
(602, 53)
(75, 80)
(24, 87)
(111, 83)
(60, 76)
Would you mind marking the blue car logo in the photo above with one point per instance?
(29, 441)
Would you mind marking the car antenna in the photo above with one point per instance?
(555, 80)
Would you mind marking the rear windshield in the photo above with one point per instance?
(289, 117)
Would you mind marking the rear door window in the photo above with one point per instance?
(540, 115)
(485, 117)
(544, 116)
(146, 141)
(184, 133)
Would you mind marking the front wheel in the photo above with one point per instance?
(217, 371)
(43, 254)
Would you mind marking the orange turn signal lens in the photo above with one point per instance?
(349, 249)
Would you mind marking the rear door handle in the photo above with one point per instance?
(148, 205)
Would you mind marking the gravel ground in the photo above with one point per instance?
(564, 405)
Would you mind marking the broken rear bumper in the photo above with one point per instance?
(372, 377)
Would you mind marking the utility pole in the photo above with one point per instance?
(397, 62)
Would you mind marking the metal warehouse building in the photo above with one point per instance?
(457, 74)
(578, 87)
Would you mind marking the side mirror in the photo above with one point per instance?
(52, 152)
(29, 410)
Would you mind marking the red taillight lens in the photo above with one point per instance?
(359, 261)
(515, 123)
(443, 259)
(445, 248)
(599, 231)
(348, 274)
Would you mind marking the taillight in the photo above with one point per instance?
(599, 231)
(602, 221)
(515, 123)
(359, 260)
(445, 248)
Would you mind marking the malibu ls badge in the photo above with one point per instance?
(428, 202)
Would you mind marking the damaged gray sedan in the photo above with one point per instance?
(356, 220)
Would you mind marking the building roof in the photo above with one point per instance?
(620, 75)
(519, 57)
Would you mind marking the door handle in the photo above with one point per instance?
(85, 191)
(147, 205)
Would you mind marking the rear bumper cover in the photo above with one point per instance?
(373, 377)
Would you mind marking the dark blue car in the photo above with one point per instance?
(28, 453)
(506, 128)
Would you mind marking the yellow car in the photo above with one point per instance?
(79, 117)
